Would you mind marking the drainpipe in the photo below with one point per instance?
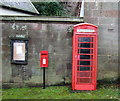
(82, 9)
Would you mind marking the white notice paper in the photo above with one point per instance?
(19, 49)
(44, 61)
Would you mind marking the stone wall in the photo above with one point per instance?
(53, 37)
(56, 38)
(105, 16)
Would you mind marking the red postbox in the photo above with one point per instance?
(43, 58)
(84, 58)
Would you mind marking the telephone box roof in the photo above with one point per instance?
(85, 24)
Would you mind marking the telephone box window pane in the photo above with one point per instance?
(85, 74)
(84, 45)
(84, 68)
(19, 51)
(84, 62)
(84, 56)
(85, 80)
(85, 51)
(84, 39)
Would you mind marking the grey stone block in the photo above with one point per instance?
(93, 20)
(107, 20)
(108, 5)
(91, 5)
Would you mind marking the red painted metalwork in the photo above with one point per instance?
(84, 59)
(43, 58)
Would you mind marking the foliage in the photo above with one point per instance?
(60, 92)
(49, 8)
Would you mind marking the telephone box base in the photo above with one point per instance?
(84, 87)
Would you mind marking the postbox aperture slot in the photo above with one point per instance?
(43, 54)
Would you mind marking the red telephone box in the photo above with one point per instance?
(44, 59)
(84, 62)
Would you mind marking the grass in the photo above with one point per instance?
(60, 92)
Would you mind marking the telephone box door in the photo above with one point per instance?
(84, 61)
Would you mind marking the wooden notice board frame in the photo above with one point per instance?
(19, 51)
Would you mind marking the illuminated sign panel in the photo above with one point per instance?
(85, 30)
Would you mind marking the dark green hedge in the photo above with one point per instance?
(49, 8)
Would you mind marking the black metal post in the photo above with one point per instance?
(43, 77)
